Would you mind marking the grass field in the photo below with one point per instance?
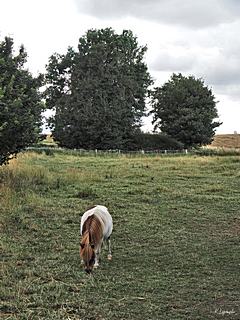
(176, 245)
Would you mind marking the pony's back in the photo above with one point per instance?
(102, 213)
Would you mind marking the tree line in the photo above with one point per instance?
(98, 94)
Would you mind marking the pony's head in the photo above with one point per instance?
(87, 253)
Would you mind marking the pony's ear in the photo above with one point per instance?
(92, 246)
(82, 245)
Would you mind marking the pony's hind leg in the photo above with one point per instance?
(109, 249)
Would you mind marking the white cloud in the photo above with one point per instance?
(229, 114)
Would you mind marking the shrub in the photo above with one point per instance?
(154, 141)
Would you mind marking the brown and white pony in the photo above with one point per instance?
(96, 226)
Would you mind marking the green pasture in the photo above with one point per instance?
(176, 238)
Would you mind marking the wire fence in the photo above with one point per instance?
(97, 152)
(51, 150)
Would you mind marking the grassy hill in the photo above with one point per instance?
(175, 240)
(226, 141)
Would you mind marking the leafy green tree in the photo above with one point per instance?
(185, 109)
(98, 91)
(20, 102)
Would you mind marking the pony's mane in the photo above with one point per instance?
(87, 253)
(92, 230)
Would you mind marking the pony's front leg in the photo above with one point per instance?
(97, 255)
(109, 249)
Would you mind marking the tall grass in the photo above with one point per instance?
(20, 177)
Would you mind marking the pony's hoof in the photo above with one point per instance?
(109, 257)
(96, 265)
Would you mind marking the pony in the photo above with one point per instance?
(96, 226)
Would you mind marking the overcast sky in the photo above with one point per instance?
(199, 38)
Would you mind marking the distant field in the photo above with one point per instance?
(48, 141)
(175, 242)
(226, 141)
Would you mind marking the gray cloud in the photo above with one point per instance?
(232, 91)
(218, 69)
(188, 13)
(224, 74)
(212, 54)
(224, 81)
(222, 68)
(173, 63)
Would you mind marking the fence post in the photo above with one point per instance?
(186, 151)
(165, 151)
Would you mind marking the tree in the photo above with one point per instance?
(20, 102)
(98, 91)
(185, 109)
